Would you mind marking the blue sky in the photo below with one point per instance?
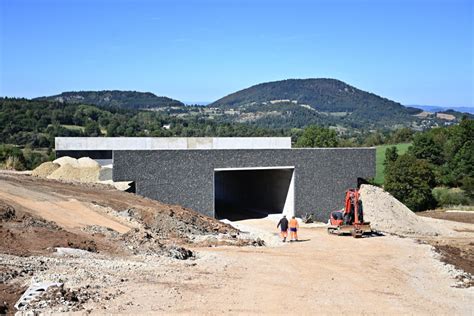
(414, 52)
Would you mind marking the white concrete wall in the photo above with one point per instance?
(154, 143)
(289, 208)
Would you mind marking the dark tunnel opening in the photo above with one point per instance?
(254, 193)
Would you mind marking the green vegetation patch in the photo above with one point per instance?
(70, 127)
(380, 158)
(446, 197)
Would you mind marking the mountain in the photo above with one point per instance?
(115, 98)
(318, 101)
(435, 108)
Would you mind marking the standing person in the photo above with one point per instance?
(294, 229)
(283, 224)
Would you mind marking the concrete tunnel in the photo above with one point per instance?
(245, 193)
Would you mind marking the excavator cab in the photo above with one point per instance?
(349, 220)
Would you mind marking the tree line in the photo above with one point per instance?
(439, 159)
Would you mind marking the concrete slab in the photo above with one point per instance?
(157, 143)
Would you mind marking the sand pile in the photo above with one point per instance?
(67, 161)
(68, 172)
(387, 214)
(86, 162)
(45, 169)
(83, 169)
(67, 168)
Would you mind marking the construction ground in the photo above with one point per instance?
(115, 252)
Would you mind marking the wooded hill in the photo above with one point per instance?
(115, 98)
(293, 103)
(321, 99)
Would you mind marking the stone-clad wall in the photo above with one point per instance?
(186, 177)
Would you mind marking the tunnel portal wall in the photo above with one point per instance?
(186, 177)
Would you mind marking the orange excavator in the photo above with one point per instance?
(349, 220)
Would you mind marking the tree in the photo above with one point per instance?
(92, 129)
(314, 136)
(402, 135)
(391, 155)
(462, 164)
(468, 186)
(424, 147)
(411, 180)
(374, 139)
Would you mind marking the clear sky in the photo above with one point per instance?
(413, 52)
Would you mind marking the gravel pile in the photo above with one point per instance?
(387, 214)
(60, 299)
(45, 169)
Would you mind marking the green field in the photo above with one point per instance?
(380, 158)
(73, 127)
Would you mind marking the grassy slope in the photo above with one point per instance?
(73, 127)
(380, 158)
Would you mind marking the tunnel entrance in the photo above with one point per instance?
(244, 193)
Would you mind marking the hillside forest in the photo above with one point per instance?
(436, 170)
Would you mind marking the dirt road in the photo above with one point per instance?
(321, 275)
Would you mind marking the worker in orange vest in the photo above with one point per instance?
(294, 229)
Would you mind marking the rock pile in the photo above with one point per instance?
(61, 299)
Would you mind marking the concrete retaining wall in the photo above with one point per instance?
(186, 177)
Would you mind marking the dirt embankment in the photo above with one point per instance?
(23, 234)
(38, 216)
(103, 201)
(48, 213)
